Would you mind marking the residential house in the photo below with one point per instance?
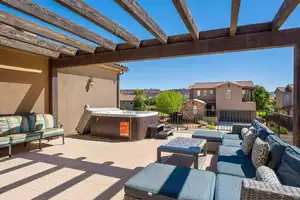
(284, 98)
(127, 101)
(228, 98)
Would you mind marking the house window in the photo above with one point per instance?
(205, 93)
(247, 95)
(211, 92)
(198, 93)
(228, 94)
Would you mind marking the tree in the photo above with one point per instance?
(169, 101)
(262, 98)
(140, 100)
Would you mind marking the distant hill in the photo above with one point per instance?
(154, 92)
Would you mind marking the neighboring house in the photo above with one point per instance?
(127, 101)
(284, 98)
(227, 95)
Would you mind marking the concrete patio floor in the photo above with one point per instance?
(84, 168)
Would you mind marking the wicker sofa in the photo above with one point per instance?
(235, 178)
(25, 128)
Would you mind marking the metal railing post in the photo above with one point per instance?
(278, 123)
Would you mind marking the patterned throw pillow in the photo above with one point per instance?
(244, 131)
(266, 174)
(248, 142)
(253, 129)
(260, 152)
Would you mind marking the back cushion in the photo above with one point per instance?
(277, 148)
(25, 126)
(4, 128)
(37, 122)
(264, 133)
(14, 123)
(49, 121)
(289, 170)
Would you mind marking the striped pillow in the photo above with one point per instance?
(14, 123)
(266, 174)
(244, 131)
(260, 152)
(37, 122)
(49, 120)
(4, 128)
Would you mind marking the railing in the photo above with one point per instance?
(204, 118)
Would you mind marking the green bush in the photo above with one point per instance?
(123, 108)
(169, 101)
(272, 124)
(283, 131)
(212, 126)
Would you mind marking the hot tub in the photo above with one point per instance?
(132, 125)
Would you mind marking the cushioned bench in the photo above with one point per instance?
(171, 182)
(213, 138)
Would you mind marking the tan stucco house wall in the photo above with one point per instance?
(235, 103)
(24, 82)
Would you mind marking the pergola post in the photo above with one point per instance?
(296, 97)
(53, 97)
(118, 91)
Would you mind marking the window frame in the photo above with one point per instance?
(226, 94)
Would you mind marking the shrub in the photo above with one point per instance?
(212, 126)
(202, 122)
(272, 124)
(169, 101)
(123, 108)
(283, 131)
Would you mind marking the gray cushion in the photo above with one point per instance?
(160, 181)
(232, 136)
(263, 133)
(277, 148)
(232, 143)
(231, 152)
(289, 170)
(4, 141)
(228, 187)
(236, 167)
(213, 136)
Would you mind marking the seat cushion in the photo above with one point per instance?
(277, 148)
(232, 136)
(17, 138)
(236, 167)
(289, 171)
(33, 136)
(231, 152)
(213, 136)
(228, 187)
(4, 128)
(51, 132)
(4, 141)
(167, 181)
(232, 143)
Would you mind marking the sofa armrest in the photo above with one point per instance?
(237, 128)
(60, 125)
(257, 190)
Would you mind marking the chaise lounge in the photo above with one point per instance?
(237, 177)
(23, 129)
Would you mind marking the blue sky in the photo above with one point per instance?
(270, 68)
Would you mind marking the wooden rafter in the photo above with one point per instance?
(20, 23)
(287, 7)
(35, 10)
(27, 47)
(244, 42)
(137, 12)
(187, 17)
(10, 32)
(99, 19)
(235, 8)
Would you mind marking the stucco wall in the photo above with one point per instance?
(23, 82)
(127, 104)
(72, 96)
(235, 103)
(279, 99)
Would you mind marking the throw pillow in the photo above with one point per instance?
(266, 174)
(244, 131)
(260, 152)
(253, 129)
(248, 142)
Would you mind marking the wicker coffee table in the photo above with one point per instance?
(186, 146)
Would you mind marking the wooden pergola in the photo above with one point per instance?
(22, 34)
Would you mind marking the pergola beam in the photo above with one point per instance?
(200, 47)
(187, 17)
(35, 10)
(31, 27)
(137, 12)
(27, 47)
(10, 32)
(99, 19)
(235, 9)
(287, 7)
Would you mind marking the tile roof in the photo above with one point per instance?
(126, 97)
(215, 84)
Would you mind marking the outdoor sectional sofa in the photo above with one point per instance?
(235, 178)
(26, 128)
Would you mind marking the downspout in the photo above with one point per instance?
(118, 89)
